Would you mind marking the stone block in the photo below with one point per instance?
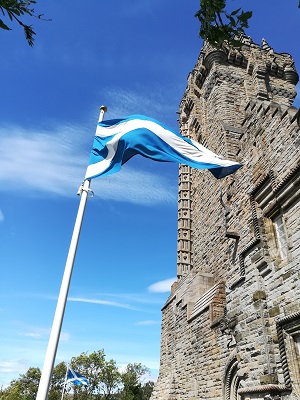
(259, 295)
(274, 311)
(268, 379)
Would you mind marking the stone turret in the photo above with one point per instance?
(231, 326)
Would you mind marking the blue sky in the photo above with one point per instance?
(133, 57)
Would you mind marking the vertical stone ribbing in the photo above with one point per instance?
(184, 249)
(184, 238)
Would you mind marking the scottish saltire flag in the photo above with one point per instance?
(76, 378)
(118, 140)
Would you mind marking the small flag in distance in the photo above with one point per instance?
(75, 378)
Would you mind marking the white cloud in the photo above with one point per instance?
(128, 102)
(162, 286)
(33, 335)
(1, 216)
(64, 337)
(11, 370)
(123, 299)
(11, 366)
(147, 323)
(102, 302)
(136, 187)
(36, 333)
(35, 163)
(143, 298)
(45, 161)
(43, 333)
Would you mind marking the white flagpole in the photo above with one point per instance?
(44, 384)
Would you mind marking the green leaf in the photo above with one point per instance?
(3, 26)
(29, 32)
(235, 11)
(245, 16)
(248, 14)
(232, 21)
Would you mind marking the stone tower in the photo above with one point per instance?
(231, 326)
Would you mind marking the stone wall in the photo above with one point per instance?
(231, 326)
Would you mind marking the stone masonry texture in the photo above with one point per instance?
(231, 325)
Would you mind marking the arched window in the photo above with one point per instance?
(232, 381)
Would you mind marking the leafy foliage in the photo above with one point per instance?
(217, 25)
(26, 386)
(131, 380)
(146, 390)
(57, 381)
(91, 366)
(105, 381)
(14, 10)
(110, 379)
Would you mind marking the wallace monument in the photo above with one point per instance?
(231, 325)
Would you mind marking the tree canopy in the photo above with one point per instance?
(217, 25)
(105, 381)
(26, 386)
(131, 381)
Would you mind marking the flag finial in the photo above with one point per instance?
(103, 108)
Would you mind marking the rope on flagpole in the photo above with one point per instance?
(44, 384)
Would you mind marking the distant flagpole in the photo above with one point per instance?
(65, 382)
(44, 384)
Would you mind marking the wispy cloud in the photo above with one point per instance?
(34, 163)
(103, 302)
(136, 187)
(128, 102)
(42, 333)
(140, 298)
(147, 323)
(34, 335)
(162, 286)
(42, 161)
(12, 366)
(124, 300)
(1, 216)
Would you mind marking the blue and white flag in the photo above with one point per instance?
(118, 140)
(76, 378)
